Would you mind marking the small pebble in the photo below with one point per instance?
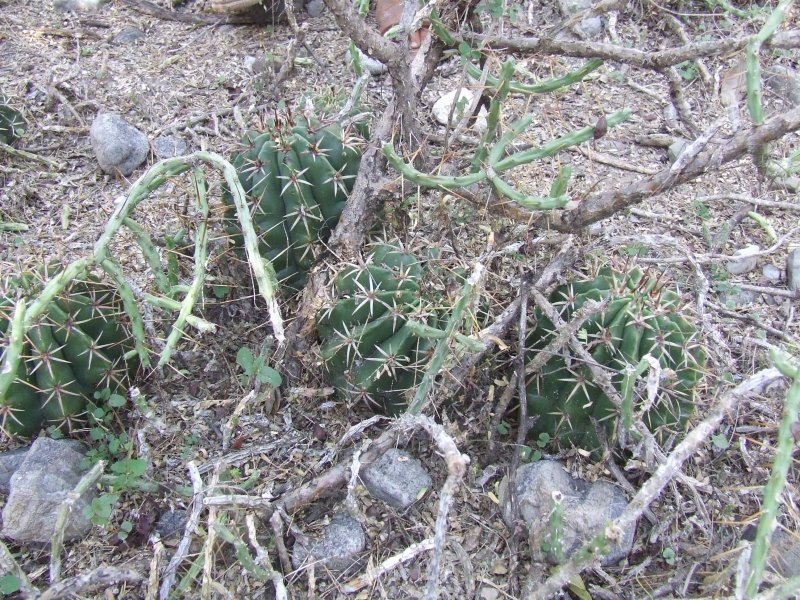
(771, 273)
(130, 35)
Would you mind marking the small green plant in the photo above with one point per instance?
(669, 556)
(642, 318)
(100, 509)
(255, 369)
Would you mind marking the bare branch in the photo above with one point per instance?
(648, 60)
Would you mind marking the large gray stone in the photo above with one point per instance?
(9, 464)
(118, 145)
(397, 478)
(338, 549)
(50, 471)
(588, 509)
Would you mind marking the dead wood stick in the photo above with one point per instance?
(606, 203)
(648, 60)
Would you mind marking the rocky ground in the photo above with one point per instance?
(196, 463)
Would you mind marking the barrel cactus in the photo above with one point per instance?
(642, 317)
(75, 349)
(12, 124)
(371, 342)
(297, 176)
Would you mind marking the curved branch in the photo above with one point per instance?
(606, 203)
(648, 60)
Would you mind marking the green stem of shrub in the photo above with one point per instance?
(777, 480)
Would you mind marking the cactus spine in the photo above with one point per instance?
(297, 176)
(77, 348)
(641, 318)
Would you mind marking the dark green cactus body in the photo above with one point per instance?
(367, 345)
(641, 318)
(12, 123)
(74, 350)
(297, 178)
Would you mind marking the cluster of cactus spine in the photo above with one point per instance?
(641, 318)
(376, 334)
(12, 123)
(78, 347)
(297, 174)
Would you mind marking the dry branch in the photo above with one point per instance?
(648, 60)
(606, 203)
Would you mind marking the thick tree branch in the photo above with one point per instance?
(606, 203)
(649, 60)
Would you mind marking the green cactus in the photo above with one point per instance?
(374, 335)
(75, 350)
(12, 123)
(297, 177)
(641, 318)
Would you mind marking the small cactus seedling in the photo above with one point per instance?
(372, 334)
(297, 176)
(641, 318)
(77, 348)
(12, 124)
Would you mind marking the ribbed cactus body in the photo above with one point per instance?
(368, 345)
(641, 318)
(12, 123)
(297, 178)
(74, 350)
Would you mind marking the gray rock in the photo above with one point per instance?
(314, 8)
(9, 463)
(338, 548)
(793, 270)
(167, 146)
(784, 553)
(78, 5)
(590, 26)
(743, 260)
(129, 35)
(117, 145)
(171, 524)
(771, 273)
(738, 298)
(784, 82)
(50, 471)
(397, 478)
(588, 509)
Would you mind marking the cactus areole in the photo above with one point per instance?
(297, 176)
(76, 348)
(641, 318)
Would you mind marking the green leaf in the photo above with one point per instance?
(502, 428)
(134, 467)
(10, 583)
(117, 401)
(720, 441)
(270, 376)
(244, 358)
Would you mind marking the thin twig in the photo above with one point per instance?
(170, 572)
